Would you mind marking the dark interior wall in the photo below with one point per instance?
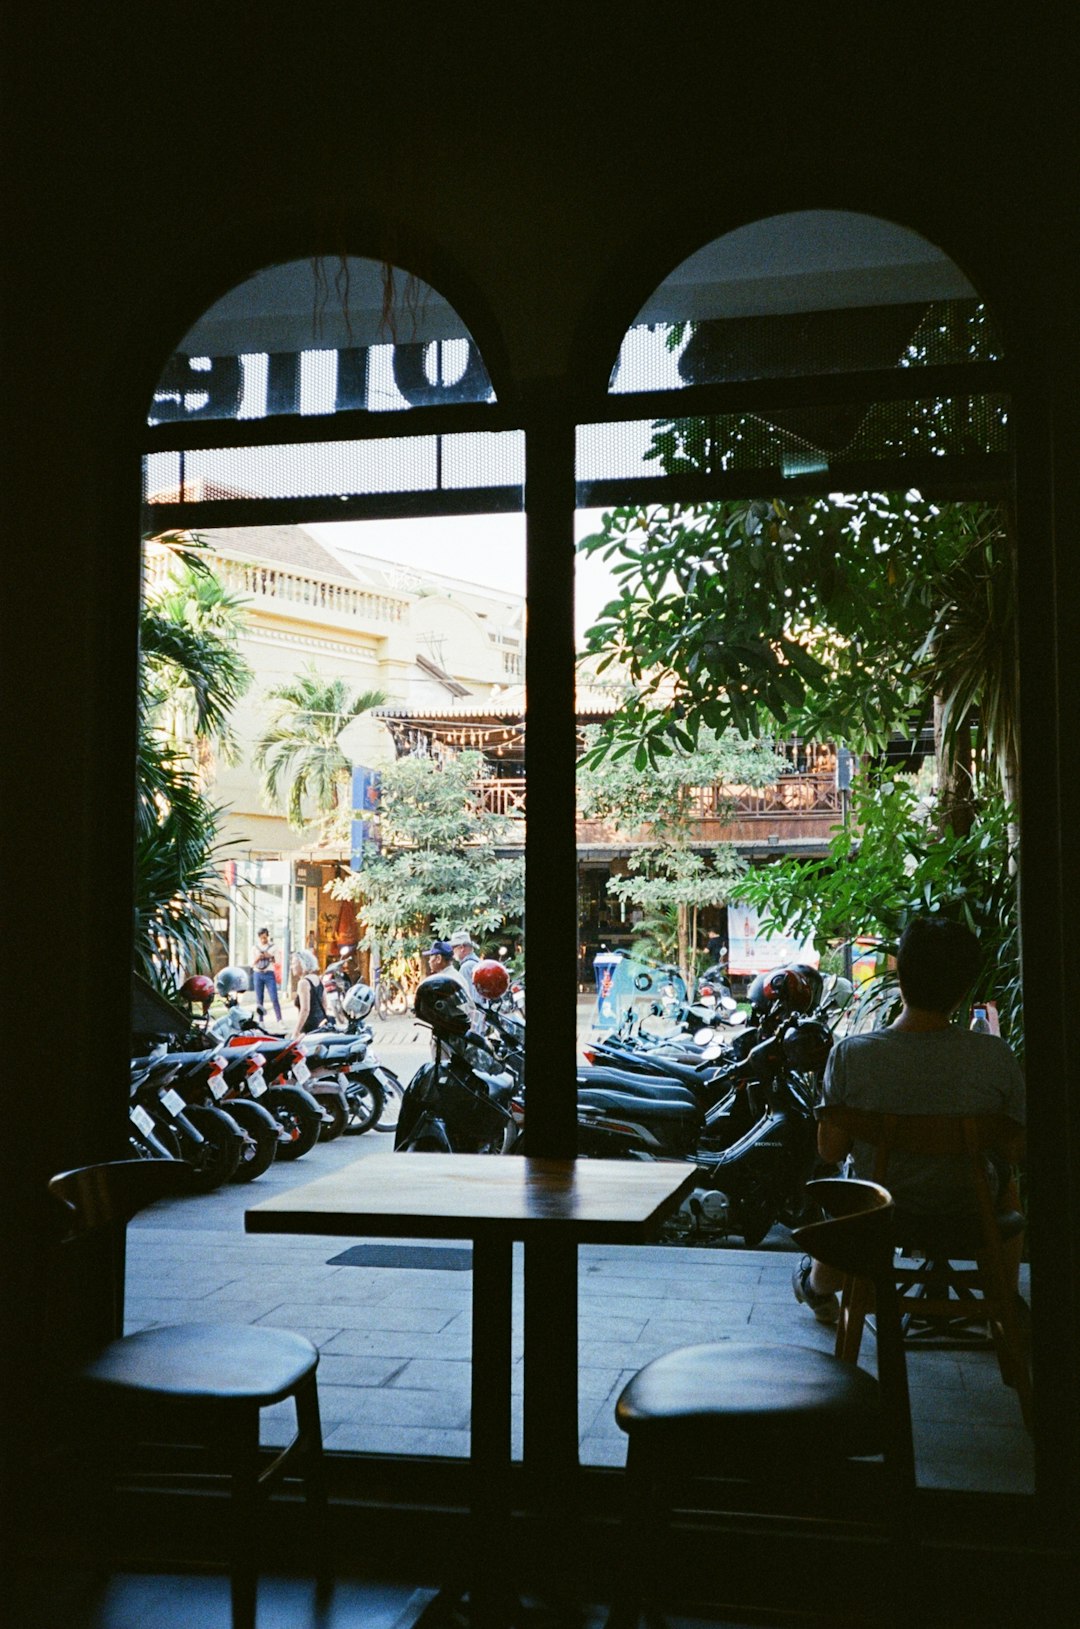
(543, 167)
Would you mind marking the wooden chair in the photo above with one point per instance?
(204, 1383)
(961, 1277)
(767, 1413)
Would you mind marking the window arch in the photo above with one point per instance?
(322, 336)
(814, 346)
(268, 408)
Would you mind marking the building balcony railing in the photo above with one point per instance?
(794, 795)
(254, 579)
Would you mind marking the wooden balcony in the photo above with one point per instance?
(795, 809)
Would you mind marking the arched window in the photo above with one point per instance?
(822, 343)
(807, 424)
(273, 397)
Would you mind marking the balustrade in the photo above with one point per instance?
(790, 795)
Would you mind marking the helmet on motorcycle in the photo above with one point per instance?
(199, 989)
(807, 1045)
(358, 1000)
(443, 1002)
(795, 988)
(490, 980)
(231, 980)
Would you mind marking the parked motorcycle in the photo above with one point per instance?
(460, 1101)
(206, 1137)
(756, 1147)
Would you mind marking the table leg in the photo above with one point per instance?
(492, 1322)
(551, 1365)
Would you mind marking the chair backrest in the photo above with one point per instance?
(971, 1137)
(109, 1195)
(926, 1133)
(856, 1238)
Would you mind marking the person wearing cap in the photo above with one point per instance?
(440, 957)
(464, 954)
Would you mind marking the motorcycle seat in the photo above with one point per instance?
(651, 1087)
(656, 1110)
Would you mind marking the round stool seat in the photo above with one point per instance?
(222, 1362)
(750, 1403)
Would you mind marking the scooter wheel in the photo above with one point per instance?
(365, 1106)
(218, 1157)
(339, 1118)
(299, 1118)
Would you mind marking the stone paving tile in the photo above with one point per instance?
(430, 1374)
(169, 1311)
(403, 1343)
(610, 1327)
(336, 1369)
(375, 1316)
(994, 1459)
(355, 1436)
(392, 1406)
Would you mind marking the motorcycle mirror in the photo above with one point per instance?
(713, 1050)
(736, 1017)
(702, 1037)
(729, 1004)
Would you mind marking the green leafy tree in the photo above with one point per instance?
(303, 765)
(438, 868)
(193, 670)
(899, 863)
(838, 618)
(666, 876)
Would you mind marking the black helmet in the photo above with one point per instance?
(442, 1001)
(358, 1000)
(231, 981)
(807, 1045)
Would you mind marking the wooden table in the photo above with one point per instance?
(552, 1205)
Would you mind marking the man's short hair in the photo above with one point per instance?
(937, 962)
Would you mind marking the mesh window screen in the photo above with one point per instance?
(420, 464)
(804, 344)
(791, 441)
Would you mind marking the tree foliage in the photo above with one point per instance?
(300, 757)
(666, 876)
(438, 869)
(897, 863)
(839, 618)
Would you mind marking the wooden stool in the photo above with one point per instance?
(209, 1381)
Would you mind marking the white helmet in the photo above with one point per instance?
(358, 1000)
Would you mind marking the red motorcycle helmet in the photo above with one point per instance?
(198, 989)
(490, 980)
(797, 988)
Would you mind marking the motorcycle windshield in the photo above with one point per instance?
(641, 991)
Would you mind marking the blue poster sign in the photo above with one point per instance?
(366, 784)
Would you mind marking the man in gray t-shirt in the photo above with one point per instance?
(921, 1064)
(934, 1071)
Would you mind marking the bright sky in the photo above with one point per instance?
(488, 550)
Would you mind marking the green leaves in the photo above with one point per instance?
(439, 868)
(894, 863)
(812, 617)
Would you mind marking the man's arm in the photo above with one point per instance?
(833, 1140)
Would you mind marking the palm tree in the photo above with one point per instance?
(193, 674)
(299, 756)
